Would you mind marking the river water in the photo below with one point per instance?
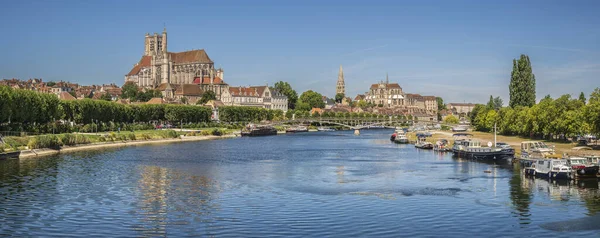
(322, 184)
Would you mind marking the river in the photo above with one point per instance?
(322, 184)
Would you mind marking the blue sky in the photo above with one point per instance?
(459, 50)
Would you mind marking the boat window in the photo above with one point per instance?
(541, 162)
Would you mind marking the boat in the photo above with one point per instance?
(325, 129)
(258, 130)
(473, 149)
(459, 129)
(400, 137)
(423, 144)
(296, 129)
(582, 168)
(442, 146)
(397, 132)
(553, 169)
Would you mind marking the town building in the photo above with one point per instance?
(160, 69)
(257, 96)
(460, 108)
(385, 94)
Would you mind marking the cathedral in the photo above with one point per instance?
(159, 68)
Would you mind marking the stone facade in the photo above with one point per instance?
(257, 96)
(341, 85)
(460, 108)
(159, 67)
(386, 94)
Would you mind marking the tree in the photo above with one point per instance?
(129, 90)
(362, 104)
(291, 94)
(184, 100)
(582, 98)
(312, 98)
(106, 97)
(207, 96)
(339, 97)
(440, 103)
(451, 119)
(522, 83)
(498, 103)
(50, 83)
(473, 117)
(490, 104)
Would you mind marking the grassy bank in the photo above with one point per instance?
(16, 143)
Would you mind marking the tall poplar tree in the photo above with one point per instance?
(522, 83)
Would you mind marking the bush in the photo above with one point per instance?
(169, 134)
(192, 133)
(132, 136)
(82, 140)
(216, 132)
(145, 136)
(48, 141)
(1, 148)
(68, 139)
(102, 139)
(205, 133)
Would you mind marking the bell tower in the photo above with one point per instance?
(341, 86)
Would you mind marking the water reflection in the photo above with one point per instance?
(307, 185)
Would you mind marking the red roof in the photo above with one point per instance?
(192, 56)
(206, 80)
(239, 91)
(66, 96)
(144, 62)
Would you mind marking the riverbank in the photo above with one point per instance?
(513, 141)
(23, 154)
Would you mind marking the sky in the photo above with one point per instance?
(459, 50)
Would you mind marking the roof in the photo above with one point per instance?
(393, 85)
(461, 104)
(389, 85)
(215, 103)
(429, 98)
(359, 97)
(144, 62)
(66, 96)
(164, 86)
(206, 80)
(189, 90)
(259, 89)
(239, 91)
(192, 56)
(156, 101)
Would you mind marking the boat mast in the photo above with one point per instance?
(494, 134)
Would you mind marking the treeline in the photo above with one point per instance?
(243, 114)
(550, 118)
(28, 107)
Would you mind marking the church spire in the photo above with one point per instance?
(341, 86)
(387, 80)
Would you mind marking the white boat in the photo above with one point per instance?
(321, 128)
(401, 139)
(553, 169)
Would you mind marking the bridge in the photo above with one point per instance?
(355, 123)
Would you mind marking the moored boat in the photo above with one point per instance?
(296, 129)
(258, 130)
(423, 144)
(401, 139)
(553, 169)
(442, 146)
(582, 168)
(321, 128)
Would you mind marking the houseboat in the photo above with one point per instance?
(258, 130)
(531, 151)
(473, 149)
(553, 169)
(400, 137)
(423, 144)
(296, 129)
(582, 168)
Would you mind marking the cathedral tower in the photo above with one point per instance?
(341, 86)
